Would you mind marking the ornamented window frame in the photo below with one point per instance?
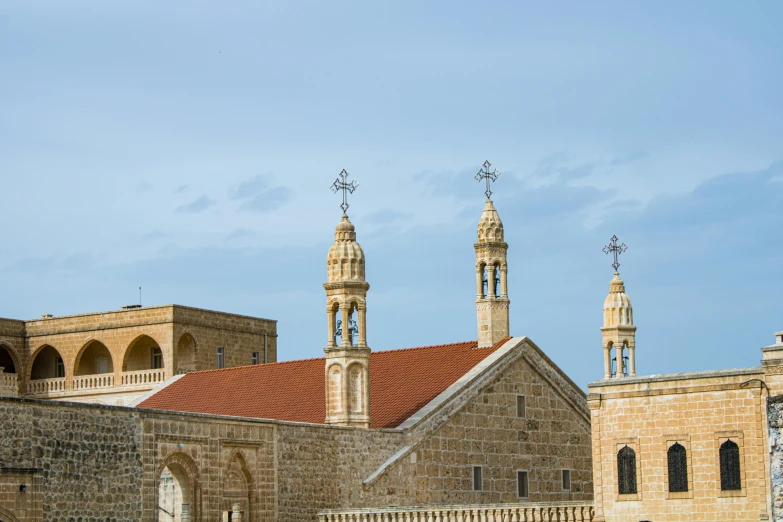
(632, 443)
(683, 440)
(738, 438)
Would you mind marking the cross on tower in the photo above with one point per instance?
(488, 176)
(341, 184)
(615, 249)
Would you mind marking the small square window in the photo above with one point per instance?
(522, 485)
(521, 406)
(566, 480)
(220, 357)
(477, 479)
(255, 357)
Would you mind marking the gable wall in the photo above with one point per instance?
(487, 432)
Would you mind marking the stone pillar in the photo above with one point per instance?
(330, 315)
(631, 361)
(362, 326)
(607, 362)
(491, 281)
(236, 513)
(479, 281)
(619, 356)
(503, 282)
(185, 513)
(346, 340)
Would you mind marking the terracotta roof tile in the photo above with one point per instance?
(401, 383)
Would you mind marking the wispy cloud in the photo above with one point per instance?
(145, 186)
(256, 195)
(629, 158)
(199, 205)
(181, 189)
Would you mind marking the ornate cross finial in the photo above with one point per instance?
(487, 175)
(341, 184)
(615, 249)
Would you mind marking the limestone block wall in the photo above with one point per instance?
(775, 420)
(87, 459)
(553, 435)
(322, 467)
(698, 411)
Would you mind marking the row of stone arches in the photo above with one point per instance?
(179, 493)
(95, 358)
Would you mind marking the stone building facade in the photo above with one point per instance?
(688, 446)
(479, 422)
(115, 357)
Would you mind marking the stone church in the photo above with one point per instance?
(212, 428)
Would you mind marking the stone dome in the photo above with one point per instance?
(345, 261)
(490, 228)
(617, 305)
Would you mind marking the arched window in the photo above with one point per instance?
(626, 470)
(729, 466)
(678, 468)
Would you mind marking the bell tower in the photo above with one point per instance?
(492, 303)
(618, 331)
(347, 376)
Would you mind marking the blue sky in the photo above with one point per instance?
(188, 147)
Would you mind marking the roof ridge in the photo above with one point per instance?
(425, 347)
(261, 365)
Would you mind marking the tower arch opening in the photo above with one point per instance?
(7, 359)
(143, 353)
(93, 359)
(47, 364)
(186, 354)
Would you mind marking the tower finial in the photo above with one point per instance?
(615, 249)
(485, 174)
(341, 183)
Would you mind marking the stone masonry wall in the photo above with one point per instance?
(775, 420)
(552, 436)
(89, 458)
(650, 415)
(322, 467)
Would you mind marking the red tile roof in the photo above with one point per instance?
(401, 383)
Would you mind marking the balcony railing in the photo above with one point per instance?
(142, 377)
(37, 386)
(524, 512)
(9, 385)
(91, 382)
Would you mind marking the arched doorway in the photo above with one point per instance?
(7, 362)
(178, 490)
(237, 504)
(48, 364)
(186, 354)
(143, 362)
(93, 359)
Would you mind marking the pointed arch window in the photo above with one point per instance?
(626, 470)
(729, 466)
(678, 468)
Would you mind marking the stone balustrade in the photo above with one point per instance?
(143, 377)
(9, 384)
(523, 512)
(90, 382)
(41, 386)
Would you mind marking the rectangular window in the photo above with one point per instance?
(522, 485)
(566, 480)
(101, 365)
(220, 356)
(521, 406)
(477, 479)
(157, 359)
(59, 368)
(255, 357)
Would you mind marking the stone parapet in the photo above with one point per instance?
(575, 511)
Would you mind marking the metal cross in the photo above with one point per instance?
(341, 184)
(615, 249)
(488, 176)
